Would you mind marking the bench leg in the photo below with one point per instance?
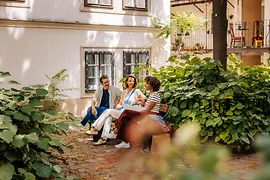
(158, 141)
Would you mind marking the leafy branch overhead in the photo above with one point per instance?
(178, 25)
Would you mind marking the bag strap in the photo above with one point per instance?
(126, 101)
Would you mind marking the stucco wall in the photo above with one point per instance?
(29, 52)
(74, 11)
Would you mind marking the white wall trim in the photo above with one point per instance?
(74, 26)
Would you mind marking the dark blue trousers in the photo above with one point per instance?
(92, 118)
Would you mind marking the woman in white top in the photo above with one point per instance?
(130, 96)
(130, 119)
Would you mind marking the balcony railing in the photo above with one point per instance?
(251, 35)
(187, 2)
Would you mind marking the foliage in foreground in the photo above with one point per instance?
(26, 139)
(231, 106)
(187, 159)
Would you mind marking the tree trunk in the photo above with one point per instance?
(220, 24)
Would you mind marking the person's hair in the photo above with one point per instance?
(103, 77)
(154, 82)
(135, 81)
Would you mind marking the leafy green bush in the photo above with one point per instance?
(231, 106)
(25, 138)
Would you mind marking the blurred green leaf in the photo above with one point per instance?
(7, 171)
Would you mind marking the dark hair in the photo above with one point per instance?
(154, 82)
(103, 77)
(135, 81)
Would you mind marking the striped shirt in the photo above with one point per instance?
(154, 97)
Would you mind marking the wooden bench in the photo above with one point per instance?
(156, 139)
(161, 139)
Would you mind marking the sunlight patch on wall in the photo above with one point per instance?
(15, 32)
(91, 36)
(13, 13)
(112, 38)
(75, 2)
(73, 80)
(26, 65)
(31, 4)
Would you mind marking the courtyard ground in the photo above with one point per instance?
(89, 162)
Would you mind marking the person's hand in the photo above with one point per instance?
(140, 97)
(94, 111)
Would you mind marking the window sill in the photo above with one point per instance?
(99, 6)
(115, 11)
(16, 4)
(87, 95)
(135, 9)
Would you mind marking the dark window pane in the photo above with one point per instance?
(92, 59)
(92, 84)
(106, 59)
(107, 70)
(131, 58)
(92, 71)
(142, 58)
(129, 69)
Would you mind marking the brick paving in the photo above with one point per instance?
(89, 162)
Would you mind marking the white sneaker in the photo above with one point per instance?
(111, 135)
(123, 145)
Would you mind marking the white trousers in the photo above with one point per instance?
(105, 119)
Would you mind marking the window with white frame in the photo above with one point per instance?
(99, 3)
(98, 63)
(140, 5)
(132, 59)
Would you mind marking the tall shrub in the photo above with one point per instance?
(231, 106)
(25, 138)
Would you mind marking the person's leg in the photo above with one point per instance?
(88, 117)
(98, 124)
(100, 110)
(93, 118)
(115, 114)
(106, 127)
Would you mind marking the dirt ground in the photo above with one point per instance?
(89, 162)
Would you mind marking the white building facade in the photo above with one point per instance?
(86, 37)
